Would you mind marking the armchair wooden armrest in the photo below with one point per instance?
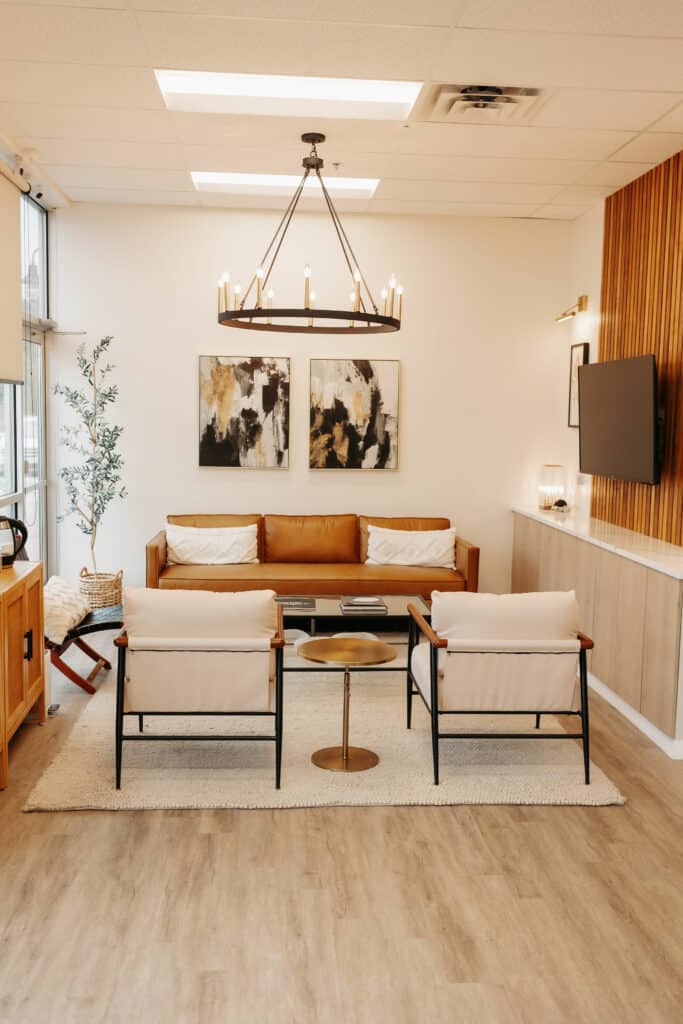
(279, 638)
(121, 641)
(155, 552)
(425, 628)
(467, 562)
(586, 642)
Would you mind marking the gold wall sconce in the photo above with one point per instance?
(580, 306)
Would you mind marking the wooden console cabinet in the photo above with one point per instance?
(630, 594)
(22, 668)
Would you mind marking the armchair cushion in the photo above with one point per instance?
(523, 620)
(190, 615)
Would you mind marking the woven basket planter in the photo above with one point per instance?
(101, 589)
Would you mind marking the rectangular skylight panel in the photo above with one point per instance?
(234, 183)
(287, 95)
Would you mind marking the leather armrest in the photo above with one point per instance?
(467, 562)
(156, 558)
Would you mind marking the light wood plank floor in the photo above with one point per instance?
(354, 915)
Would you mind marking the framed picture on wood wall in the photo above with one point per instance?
(579, 357)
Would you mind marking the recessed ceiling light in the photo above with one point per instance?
(287, 95)
(280, 184)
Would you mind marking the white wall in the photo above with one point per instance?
(484, 370)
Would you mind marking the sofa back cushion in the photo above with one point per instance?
(221, 519)
(311, 538)
(398, 523)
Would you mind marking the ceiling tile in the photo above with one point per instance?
(588, 194)
(610, 109)
(78, 85)
(608, 17)
(651, 147)
(139, 197)
(566, 211)
(614, 174)
(440, 209)
(105, 154)
(466, 192)
(265, 47)
(54, 122)
(671, 122)
(442, 13)
(552, 61)
(66, 34)
(143, 178)
(512, 142)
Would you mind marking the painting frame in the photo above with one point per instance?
(395, 436)
(284, 363)
(579, 356)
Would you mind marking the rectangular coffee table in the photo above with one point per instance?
(325, 615)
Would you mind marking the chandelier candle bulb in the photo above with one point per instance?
(307, 287)
(312, 306)
(399, 292)
(259, 287)
(383, 294)
(238, 293)
(221, 307)
(352, 297)
(392, 293)
(226, 291)
(356, 296)
(269, 303)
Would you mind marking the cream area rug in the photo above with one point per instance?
(241, 775)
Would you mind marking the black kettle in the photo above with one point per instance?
(13, 536)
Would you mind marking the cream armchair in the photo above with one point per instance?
(192, 652)
(489, 654)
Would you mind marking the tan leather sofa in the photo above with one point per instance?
(313, 555)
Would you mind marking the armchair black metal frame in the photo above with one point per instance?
(277, 644)
(418, 624)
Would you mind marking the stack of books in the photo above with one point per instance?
(364, 605)
(293, 604)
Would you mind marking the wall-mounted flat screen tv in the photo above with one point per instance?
(618, 419)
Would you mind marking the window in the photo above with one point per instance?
(8, 441)
(23, 475)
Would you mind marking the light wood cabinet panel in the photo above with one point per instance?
(525, 555)
(22, 671)
(661, 651)
(619, 621)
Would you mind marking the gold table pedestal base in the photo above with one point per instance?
(332, 758)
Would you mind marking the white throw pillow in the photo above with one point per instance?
(223, 545)
(64, 608)
(434, 548)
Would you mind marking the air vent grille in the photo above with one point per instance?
(464, 104)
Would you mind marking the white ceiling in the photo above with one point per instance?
(78, 95)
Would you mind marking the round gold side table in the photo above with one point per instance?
(349, 652)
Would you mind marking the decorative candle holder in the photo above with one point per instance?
(551, 486)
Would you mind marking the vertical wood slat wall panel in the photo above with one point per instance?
(641, 307)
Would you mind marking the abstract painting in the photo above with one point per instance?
(244, 412)
(354, 414)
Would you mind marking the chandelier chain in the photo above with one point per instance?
(342, 234)
(286, 216)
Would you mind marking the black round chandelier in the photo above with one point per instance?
(236, 309)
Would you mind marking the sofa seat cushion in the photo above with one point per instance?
(313, 578)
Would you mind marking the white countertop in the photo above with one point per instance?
(655, 554)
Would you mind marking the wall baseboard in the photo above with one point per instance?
(672, 748)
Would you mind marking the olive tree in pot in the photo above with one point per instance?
(94, 480)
